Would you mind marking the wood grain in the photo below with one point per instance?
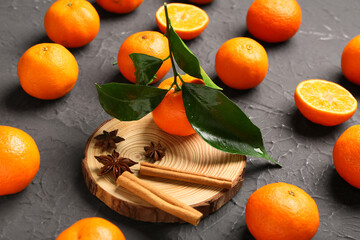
(185, 153)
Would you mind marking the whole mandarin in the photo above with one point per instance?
(47, 71)
(346, 155)
(281, 211)
(350, 60)
(72, 23)
(19, 160)
(274, 20)
(119, 6)
(93, 228)
(241, 63)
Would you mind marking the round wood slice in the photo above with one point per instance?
(190, 153)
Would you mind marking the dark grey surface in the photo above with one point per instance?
(58, 196)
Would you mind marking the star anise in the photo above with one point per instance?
(114, 163)
(155, 151)
(108, 140)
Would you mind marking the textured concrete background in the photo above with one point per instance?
(58, 196)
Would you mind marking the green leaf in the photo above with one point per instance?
(207, 80)
(186, 60)
(146, 67)
(128, 102)
(221, 123)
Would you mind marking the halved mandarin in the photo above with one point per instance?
(187, 20)
(324, 102)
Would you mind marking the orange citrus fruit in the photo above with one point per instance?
(94, 228)
(350, 60)
(274, 20)
(187, 20)
(19, 160)
(119, 6)
(72, 23)
(281, 211)
(148, 42)
(170, 114)
(346, 155)
(324, 102)
(200, 1)
(47, 71)
(241, 63)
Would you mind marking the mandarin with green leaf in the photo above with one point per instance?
(170, 114)
(148, 42)
(217, 120)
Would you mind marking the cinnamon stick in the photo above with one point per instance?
(153, 170)
(158, 198)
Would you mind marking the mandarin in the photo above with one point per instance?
(72, 23)
(187, 20)
(47, 71)
(148, 42)
(350, 60)
(93, 228)
(274, 20)
(281, 211)
(200, 1)
(119, 6)
(324, 102)
(19, 160)
(170, 114)
(346, 155)
(241, 63)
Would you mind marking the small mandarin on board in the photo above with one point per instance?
(274, 20)
(324, 102)
(350, 60)
(148, 42)
(241, 63)
(187, 20)
(93, 228)
(119, 6)
(281, 211)
(346, 155)
(19, 160)
(170, 114)
(47, 71)
(72, 23)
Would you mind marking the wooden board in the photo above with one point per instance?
(190, 153)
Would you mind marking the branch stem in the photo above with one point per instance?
(176, 74)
